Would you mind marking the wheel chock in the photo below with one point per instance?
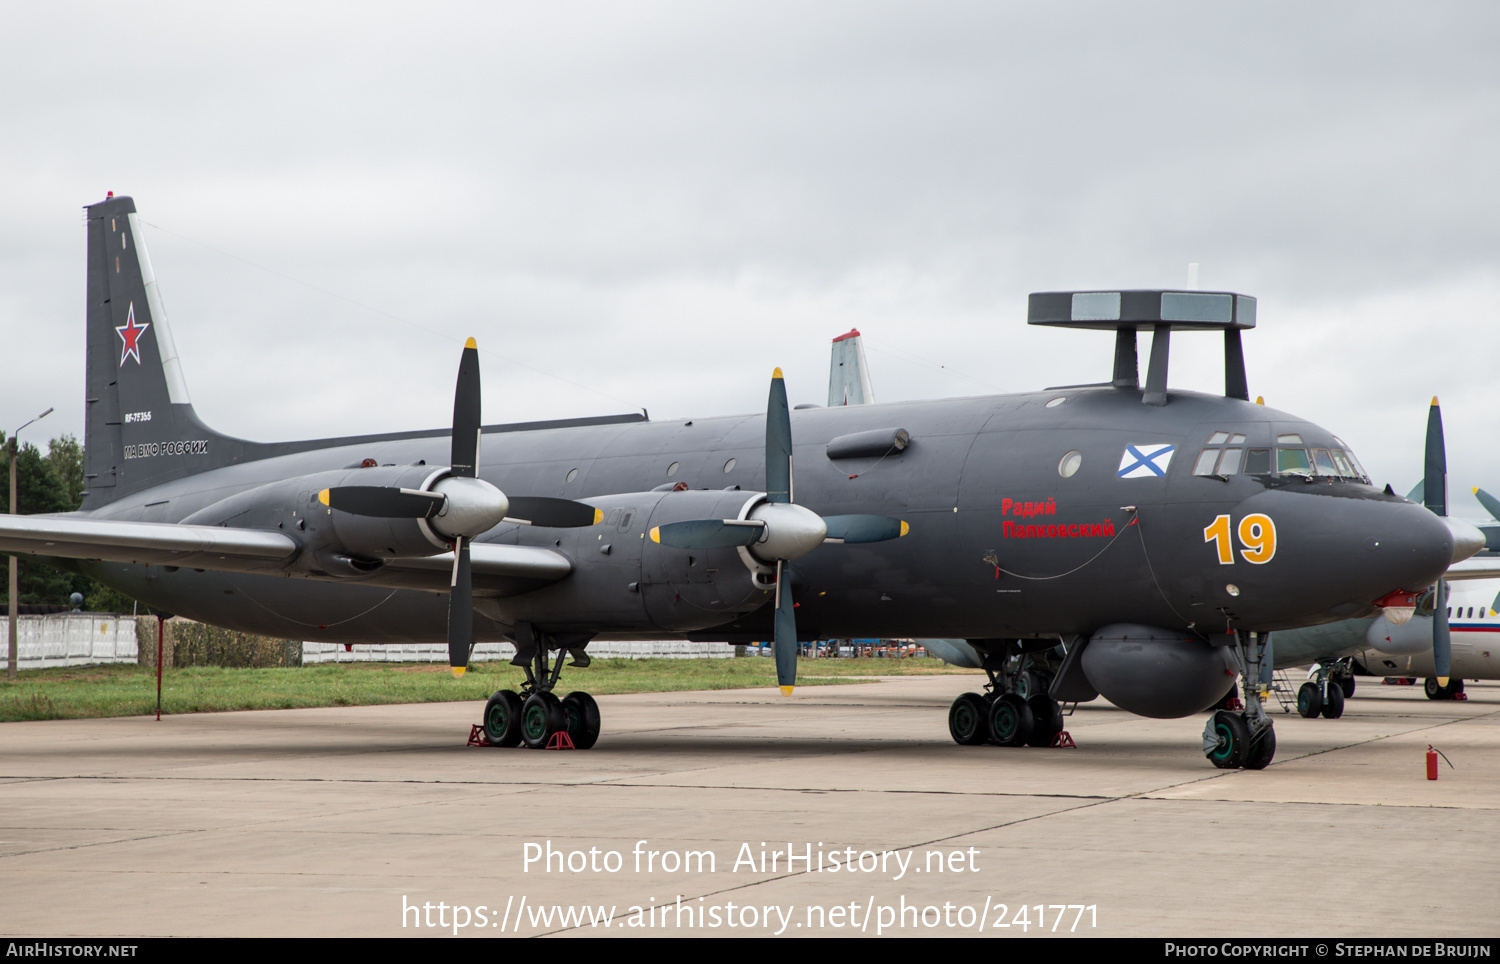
(1063, 740)
(1234, 704)
(477, 737)
(561, 741)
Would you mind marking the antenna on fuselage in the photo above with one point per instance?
(1126, 312)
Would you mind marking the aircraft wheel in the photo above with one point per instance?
(966, 720)
(1347, 685)
(502, 719)
(581, 714)
(1333, 702)
(1011, 721)
(1455, 686)
(1046, 720)
(1225, 740)
(1433, 690)
(541, 716)
(1262, 749)
(1309, 700)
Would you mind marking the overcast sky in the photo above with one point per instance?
(652, 205)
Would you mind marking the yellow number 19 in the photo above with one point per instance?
(1257, 534)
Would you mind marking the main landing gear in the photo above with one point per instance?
(1326, 694)
(1014, 710)
(1245, 738)
(535, 716)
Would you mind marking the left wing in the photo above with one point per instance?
(497, 569)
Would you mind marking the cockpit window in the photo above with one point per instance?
(1323, 462)
(1258, 462)
(1292, 461)
(1218, 438)
(1289, 439)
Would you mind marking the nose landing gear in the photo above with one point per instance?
(1245, 739)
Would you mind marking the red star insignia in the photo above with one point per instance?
(130, 333)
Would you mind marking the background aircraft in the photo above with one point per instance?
(1013, 522)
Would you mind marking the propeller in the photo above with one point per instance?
(778, 530)
(1435, 497)
(1490, 503)
(464, 462)
(461, 506)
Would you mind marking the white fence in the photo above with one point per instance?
(438, 652)
(74, 639)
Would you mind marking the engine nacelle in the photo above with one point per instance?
(1411, 638)
(1155, 672)
(292, 506)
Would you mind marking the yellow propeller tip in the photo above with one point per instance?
(471, 343)
(458, 671)
(1475, 490)
(776, 373)
(1442, 680)
(656, 534)
(1260, 399)
(904, 528)
(1434, 400)
(598, 516)
(787, 690)
(323, 497)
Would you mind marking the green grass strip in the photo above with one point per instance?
(86, 692)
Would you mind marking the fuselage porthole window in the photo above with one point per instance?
(729, 466)
(1068, 465)
(572, 474)
(672, 469)
(1057, 401)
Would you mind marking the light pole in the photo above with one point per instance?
(13, 651)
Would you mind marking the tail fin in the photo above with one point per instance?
(140, 428)
(848, 376)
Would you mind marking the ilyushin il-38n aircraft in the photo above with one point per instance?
(1079, 520)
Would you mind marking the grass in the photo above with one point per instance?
(85, 692)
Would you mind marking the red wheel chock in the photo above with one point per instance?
(561, 741)
(1234, 703)
(477, 737)
(1063, 740)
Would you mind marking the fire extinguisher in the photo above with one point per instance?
(1432, 758)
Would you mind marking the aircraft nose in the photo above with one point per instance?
(1331, 557)
(1467, 538)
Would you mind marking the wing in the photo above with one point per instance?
(499, 570)
(147, 543)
